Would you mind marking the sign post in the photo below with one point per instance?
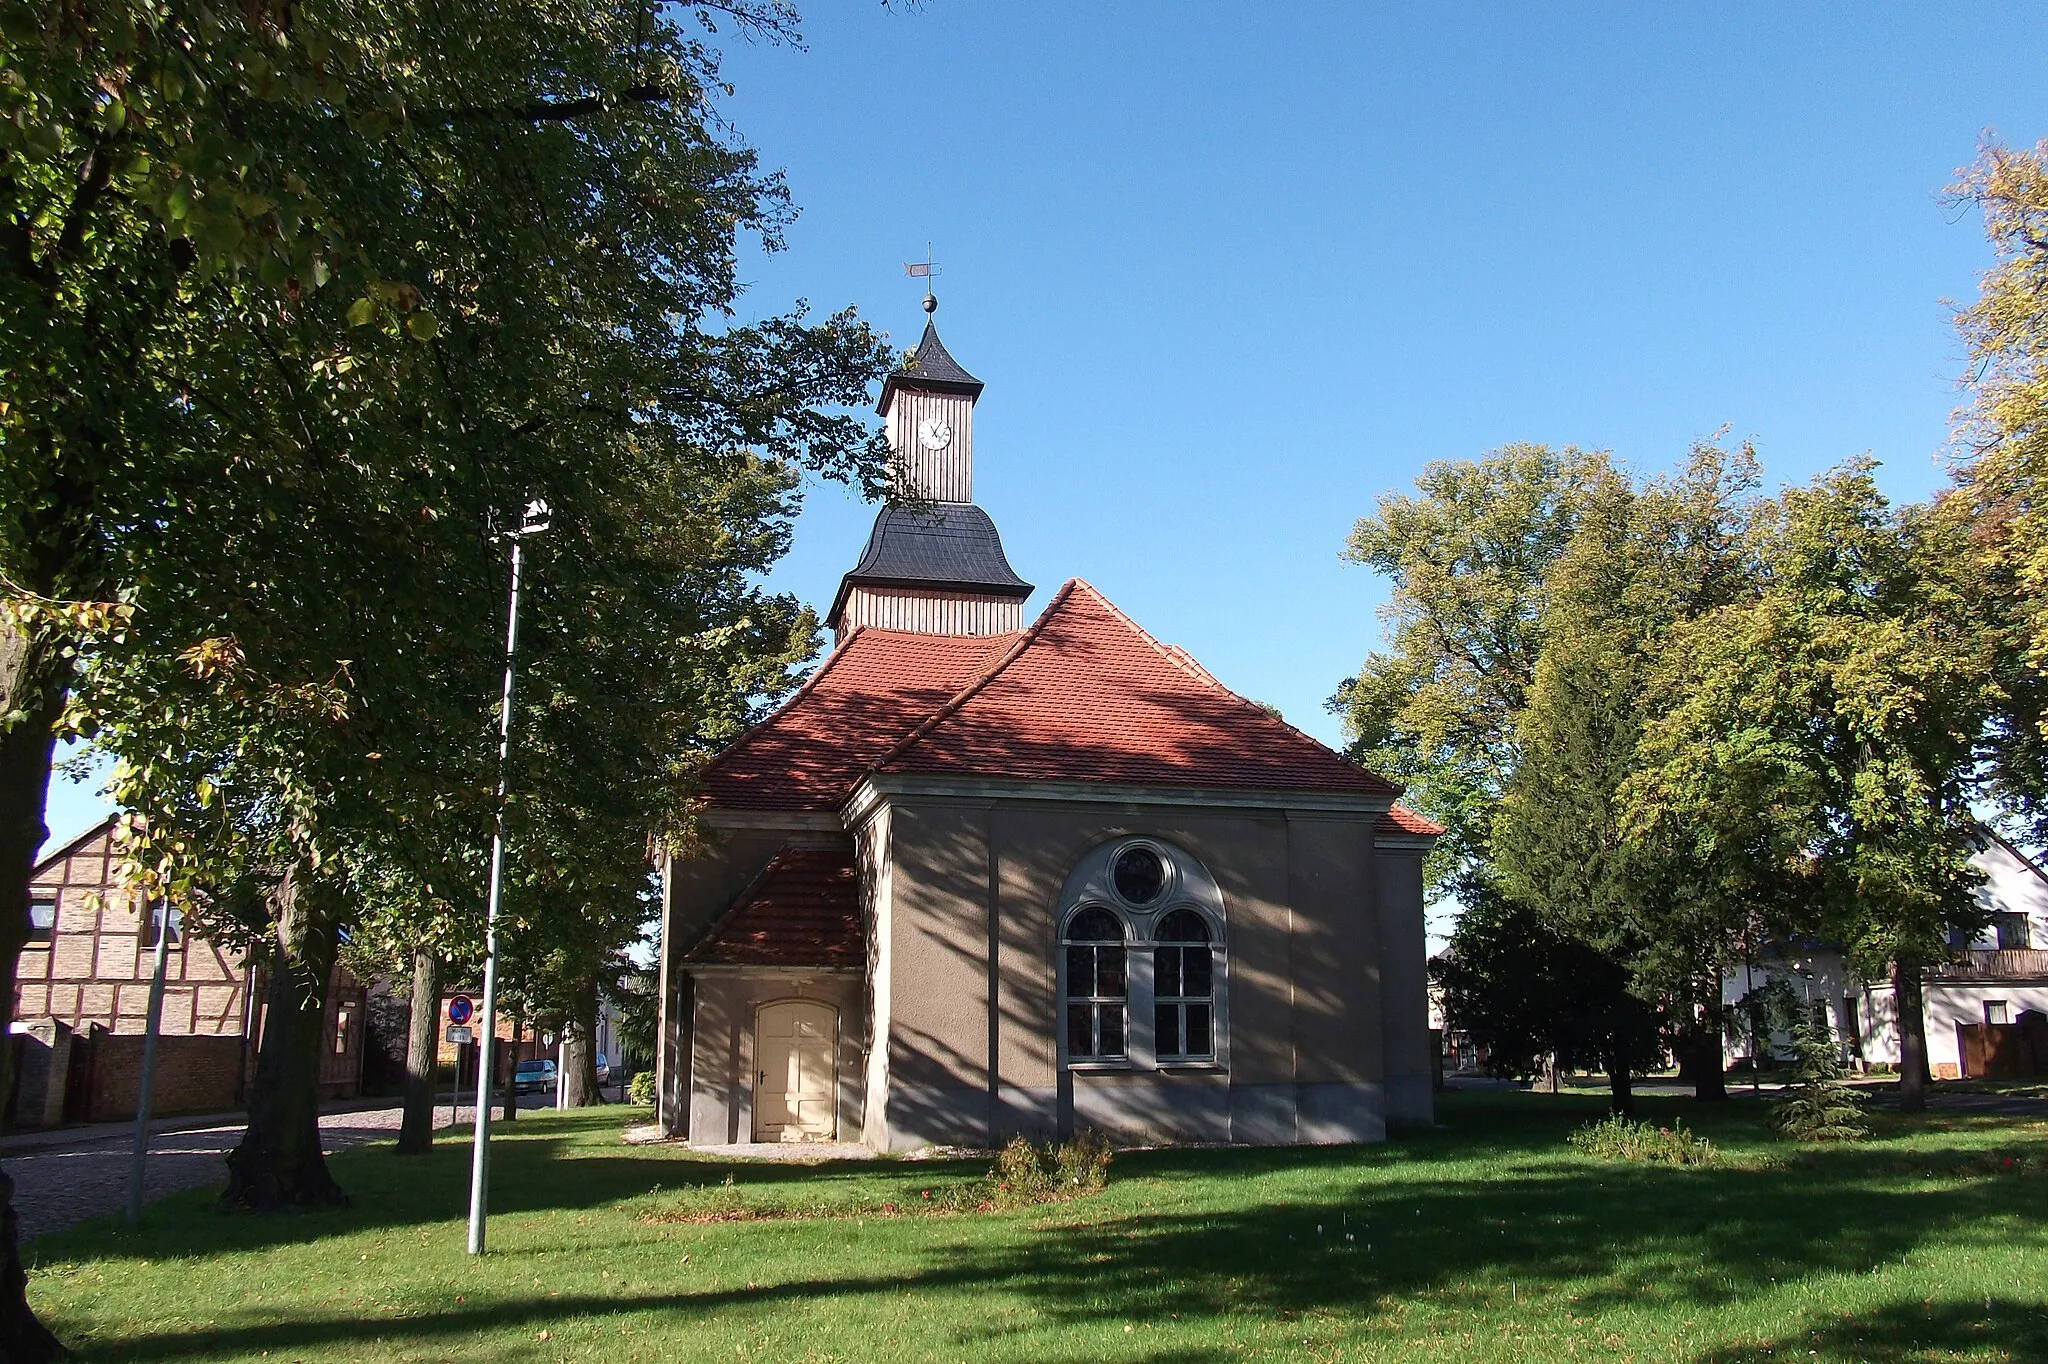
(460, 1010)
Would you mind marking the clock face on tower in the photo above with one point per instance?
(933, 433)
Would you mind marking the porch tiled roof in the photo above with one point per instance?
(802, 910)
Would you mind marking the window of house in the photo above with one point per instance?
(1097, 984)
(2011, 930)
(42, 918)
(1183, 994)
(1995, 1011)
(340, 1031)
(154, 923)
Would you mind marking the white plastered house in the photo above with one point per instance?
(1992, 980)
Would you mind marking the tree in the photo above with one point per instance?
(1468, 561)
(422, 1054)
(2000, 499)
(1828, 734)
(289, 311)
(1641, 561)
(1818, 1106)
(1528, 994)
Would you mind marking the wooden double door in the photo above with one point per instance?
(796, 1080)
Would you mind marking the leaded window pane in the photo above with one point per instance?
(1198, 1030)
(1110, 1022)
(1139, 875)
(1195, 976)
(1095, 925)
(1168, 971)
(1081, 1031)
(1080, 972)
(1109, 973)
(1166, 1024)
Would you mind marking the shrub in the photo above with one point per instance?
(640, 1089)
(1618, 1138)
(1082, 1165)
(1024, 1174)
(1818, 1106)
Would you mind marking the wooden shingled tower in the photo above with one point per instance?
(936, 566)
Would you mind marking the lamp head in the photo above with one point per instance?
(535, 518)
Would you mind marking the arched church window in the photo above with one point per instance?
(1097, 985)
(1184, 989)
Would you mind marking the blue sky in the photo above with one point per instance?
(1230, 272)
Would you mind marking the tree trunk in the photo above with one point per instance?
(512, 1063)
(279, 1163)
(1913, 1077)
(422, 1056)
(579, 1048)
(1703, 1046)
(33, 680)
(1621, 1087)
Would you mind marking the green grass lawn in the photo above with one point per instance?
(1486, 1239)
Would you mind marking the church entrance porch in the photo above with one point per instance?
(797, 1079)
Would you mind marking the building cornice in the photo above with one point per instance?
(736, 969)
(878, 787)
(794, 821)
(1421, 843)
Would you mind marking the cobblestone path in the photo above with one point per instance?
(61, 1184)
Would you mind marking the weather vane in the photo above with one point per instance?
(924, 270)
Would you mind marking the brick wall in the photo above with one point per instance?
(193, 1075)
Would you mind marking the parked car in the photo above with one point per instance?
(534, 1077)
(604, 1070)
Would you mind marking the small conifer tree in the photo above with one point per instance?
(1818, 1106)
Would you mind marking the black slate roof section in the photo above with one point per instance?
(931, 368)
(940, 545)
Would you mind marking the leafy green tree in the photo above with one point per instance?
(1642, 560)
(1528, 993)
(2000, 500)
(293, 301)
(1469, 560)
(1829, 733)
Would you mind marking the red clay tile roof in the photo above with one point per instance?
(871, 691)
(1083, 695)
(1086, 695)
(1402, 820)
(802, 910)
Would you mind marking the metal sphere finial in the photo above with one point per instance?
(931, 303)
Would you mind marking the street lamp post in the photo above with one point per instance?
(532, 523)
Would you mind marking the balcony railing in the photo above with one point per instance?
(2003, 963)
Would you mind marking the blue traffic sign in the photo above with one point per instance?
(460, 1010)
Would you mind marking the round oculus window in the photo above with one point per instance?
(1139, 874)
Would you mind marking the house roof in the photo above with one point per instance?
(869, 692)
(72, 845)
(803, 909)
(946, 544)
(1084, 695)
(1399, 819)
(931, 368)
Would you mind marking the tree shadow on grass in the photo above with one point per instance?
(1346, 1231)
(1906, 1333)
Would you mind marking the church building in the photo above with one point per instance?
(978, 878)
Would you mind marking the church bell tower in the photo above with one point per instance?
(934, 568)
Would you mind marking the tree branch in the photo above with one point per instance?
(550, 110)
